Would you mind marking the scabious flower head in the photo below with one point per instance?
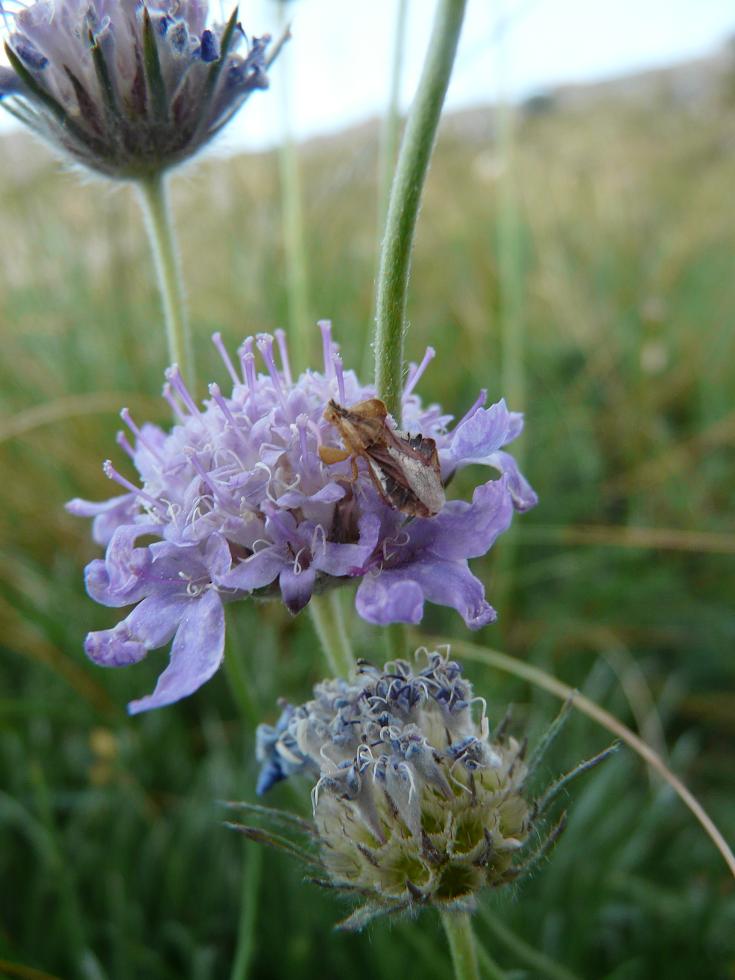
(128, 88)
(236, 501)
(415, 800)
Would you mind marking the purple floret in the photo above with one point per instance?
(235, 501)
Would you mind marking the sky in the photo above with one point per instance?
(338, 67)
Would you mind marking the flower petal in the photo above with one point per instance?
(516, 426)
(451, 583)
(349, 559)
(258, 570)
(217, 556)
(114, 648)
(328, 494)
(297, 587)
(124, 576)
(390, 597)
(108, 514)
(523, 494)
(151, 624)
(397, 595)
(485, 431)
(127, 565)
(464, 530)
(196, 653)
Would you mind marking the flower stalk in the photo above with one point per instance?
(392, 120)
(458, 927)
(328, 618)
(159, 222)
(405, 198)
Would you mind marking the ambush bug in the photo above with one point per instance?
(404, 468)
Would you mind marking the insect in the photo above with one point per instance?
(404, 468)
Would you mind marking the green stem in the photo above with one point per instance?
(387, 149)
(391, 122)
(458, 927)
(403, 208)
(154, 200)
(294, 240)
(395, 639)
(329, 623)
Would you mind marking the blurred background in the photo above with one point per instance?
(575, 253)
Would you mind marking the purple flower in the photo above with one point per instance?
(125, 87)
(236, 501)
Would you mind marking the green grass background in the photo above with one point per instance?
(590, 269)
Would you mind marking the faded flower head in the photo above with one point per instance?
(236, 500)
(126, 87)
(415, 800)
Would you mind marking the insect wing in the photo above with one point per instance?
(404, 469)
(407, 474)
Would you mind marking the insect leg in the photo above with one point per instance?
(332, 454)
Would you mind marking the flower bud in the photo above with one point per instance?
(415, 802)
(128, 89)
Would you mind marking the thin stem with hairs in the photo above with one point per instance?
(405, 198)
(154, 200)
(328, 619)
(458, 927)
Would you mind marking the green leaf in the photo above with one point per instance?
(153, 74)
(366, 914)
(275, 841)
(216, 67)
(25, 115)
(553, 791)
(104, 79)
(277, 816)
(549, 737)
(87, 105)
(518, 871)
(38, 91)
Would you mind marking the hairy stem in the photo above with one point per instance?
(391, 122)
(387, 149)
(405, 198)
(458, 927)
(329, 623)
(154, 200)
